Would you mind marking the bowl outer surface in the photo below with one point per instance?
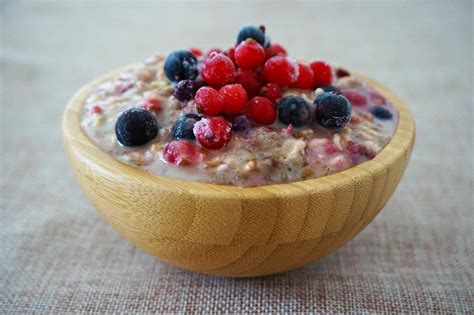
(231, 231)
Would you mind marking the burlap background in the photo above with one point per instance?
(58, 256)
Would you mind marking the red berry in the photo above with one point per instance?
(280, 70)
(376, 98)
(151, 104)
(235, 98)
(330, 147)
(211, 51)
(353, 147)
(97, 109)
(208, 101)
(341, 73)
(355, 98)
(196, 51)
(249, 54)
(261, 111)
(305, 77)
(322, 73)
(274, 50)
(181, 152)
(213, 132)
(249, 80)
(231, 53)
(271, 91)
(217, 70)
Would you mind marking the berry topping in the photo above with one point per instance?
(261, 111)
(151, 104)
(183, 129)
(376, 98)
(181, 65)
(217, 70)
(249, 80)
(241, 123)
(249, 54)
(196, 51)
(213, 132)
(293, 110)
(186, 89)
(274, 50)
(322, 73)
(305, 77)
(235, 98)
(356, 98)
(381, 112)
(280, 70)
(271, 91)
(332, 111)
(135, 127)
(330, 147)
(250, 31)
(230, 53)
(341, 73)
(330, 89)
(208, 101)
(213, 51)
(181, 153)
(96, 109)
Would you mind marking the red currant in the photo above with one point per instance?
(208, 101)
(261, 111)
(235, 98)
(322, 73)
(217, 70)
(213, 132)
(305, 77)
(271, 91)
(196, 51)
(151, 104)
(355, 98)
(330, 147)
(249, 80)
(96, 109)
(182, 153)
(341, 73)
(249, 54)
(212, 51)
(274, 50)
(279, 70)
(376, 98)
(231, 53)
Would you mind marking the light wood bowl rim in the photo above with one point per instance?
(102, 162)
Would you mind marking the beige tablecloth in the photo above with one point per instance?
(57, 255)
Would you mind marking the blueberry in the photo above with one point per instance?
(381, 112)
(250, 31)
(332, 111)
(135, 127)
(331, 88)
(293, 110)
(241, 123)
(181, 65)
(183, 129)
(186, 89)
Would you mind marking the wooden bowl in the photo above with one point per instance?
(230, 231)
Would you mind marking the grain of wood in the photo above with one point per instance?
(231, 231)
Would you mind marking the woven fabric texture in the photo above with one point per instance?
(58, 256)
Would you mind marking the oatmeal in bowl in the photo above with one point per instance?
(237, 162)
